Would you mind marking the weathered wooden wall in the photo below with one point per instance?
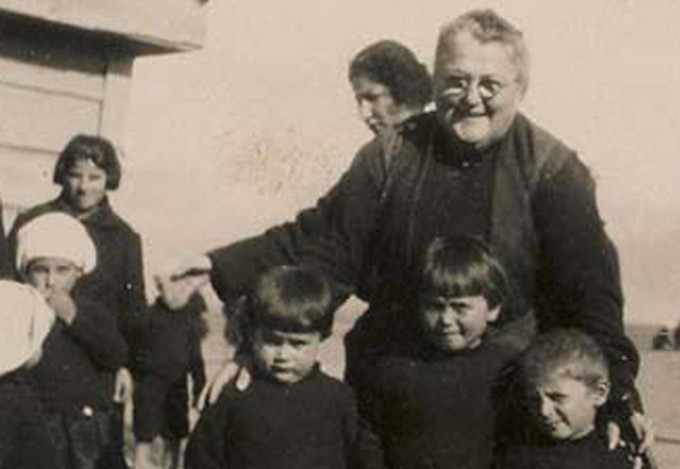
(162, 24)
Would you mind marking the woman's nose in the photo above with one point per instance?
(547, 408)
(365, 109)
(49, 280)
(472, 97)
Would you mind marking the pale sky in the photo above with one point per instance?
(225, 141)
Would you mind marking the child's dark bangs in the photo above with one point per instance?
(293, 316)
(467, 281)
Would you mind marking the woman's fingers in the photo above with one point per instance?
(227, 373)
(613, 434)
(644, 431)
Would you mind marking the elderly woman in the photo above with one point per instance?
(87, 169)
(475, 167)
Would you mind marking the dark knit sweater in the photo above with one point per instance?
(310, 424)
(589, 452)
(434, 410)
(168, 344)
(79, 359)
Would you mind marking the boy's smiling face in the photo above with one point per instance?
(565, 408)
(456, 323)
(286, 357)
(48, 274)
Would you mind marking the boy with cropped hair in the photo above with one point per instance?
(292, 415)
(429, 401)
(565, 382)
(84, 347)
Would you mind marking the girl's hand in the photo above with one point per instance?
(123, 389)
(63, 305)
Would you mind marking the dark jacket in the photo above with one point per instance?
(168, 344)
(589, 452)
(118, 280)
(22, 420)
(308, 424)
(431, 409)
(543, 223)
(78, 361)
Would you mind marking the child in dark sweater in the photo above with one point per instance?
(26, 320)
(292, 415)
(429, 401)
(84, 347)
(564, 380)
(168, 347)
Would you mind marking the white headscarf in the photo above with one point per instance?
(25, 320)
(55, 234)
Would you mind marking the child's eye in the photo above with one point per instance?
(557, 397)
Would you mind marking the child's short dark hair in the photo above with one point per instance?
(292, 299)
(88, 147)
(567, 352)
(463, 266)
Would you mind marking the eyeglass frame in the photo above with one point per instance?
(485, 94)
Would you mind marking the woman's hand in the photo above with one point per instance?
(178, 280)
(644, 436)
(232, 370)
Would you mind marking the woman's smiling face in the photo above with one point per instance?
(477, 88)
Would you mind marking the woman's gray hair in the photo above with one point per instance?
(488, 26)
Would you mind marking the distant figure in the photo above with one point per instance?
(167, 349)
(565, 379)
(5, 257)
(664, 339)
(25, 320)
(292, 416)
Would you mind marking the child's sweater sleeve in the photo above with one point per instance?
(96, 330)
(365, 450)
(208, 444)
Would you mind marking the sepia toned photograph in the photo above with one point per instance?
(305, 234)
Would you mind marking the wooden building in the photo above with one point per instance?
(65, 68)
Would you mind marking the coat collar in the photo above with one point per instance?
(102, 216)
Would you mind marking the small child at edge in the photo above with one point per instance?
(167, 349)
(565, 381)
